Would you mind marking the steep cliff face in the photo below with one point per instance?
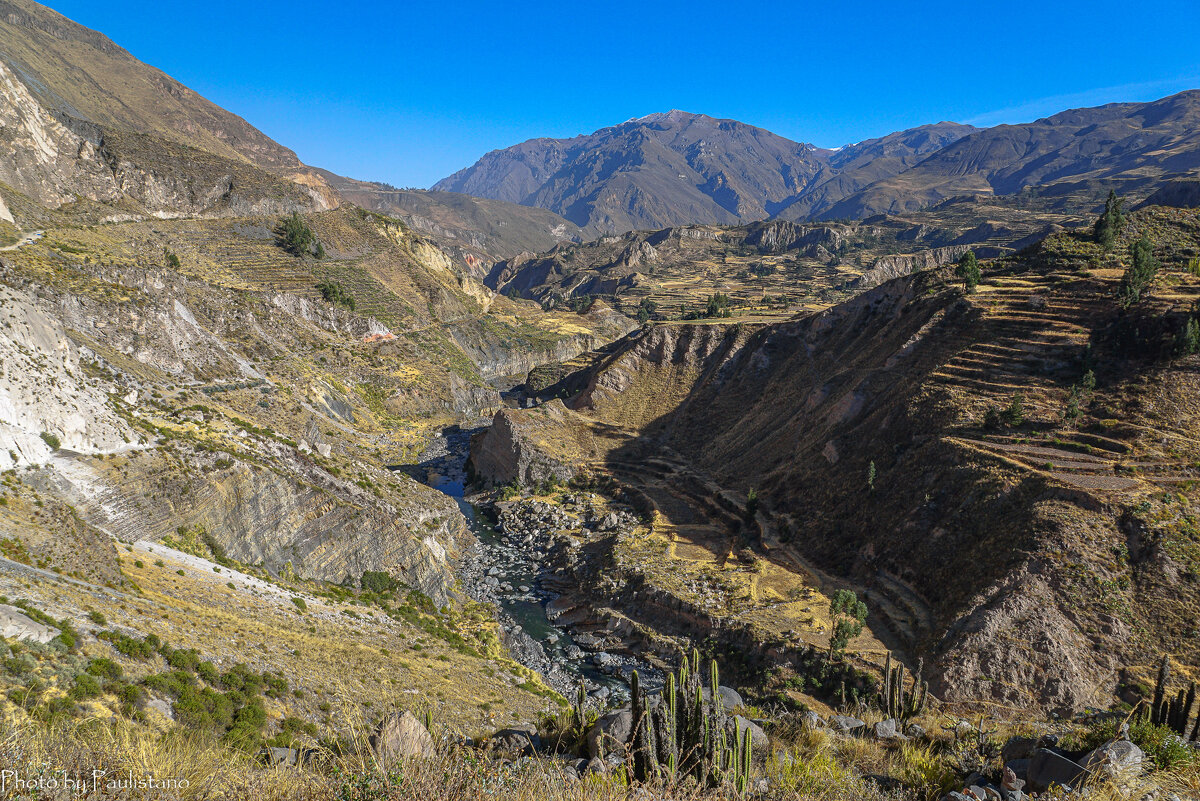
(888, 267)
(45, 395)
(132, 395)
(508, 347)
(56, 159)
(290, 517)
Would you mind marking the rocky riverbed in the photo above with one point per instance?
(518, 565)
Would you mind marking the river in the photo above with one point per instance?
(503, 573)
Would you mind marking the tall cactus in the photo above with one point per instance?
(686, 734)
(893, 700)
(1158, 708)
(1174, 712)
(645, 760)
(1189, 704)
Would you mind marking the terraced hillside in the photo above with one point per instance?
(769, 270)
(1007, 474)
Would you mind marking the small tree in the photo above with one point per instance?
(848, 615)
(295, 236)
(1141, 272)
(718, 306)
(645, 310)
(1014, 415)
(968, 271)
(1190, 340)
(377, 581)
(871, 476)
(1111, 221)
(335, 293)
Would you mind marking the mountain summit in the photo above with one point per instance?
(656, 171)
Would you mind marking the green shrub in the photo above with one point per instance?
(1161, 744)
(295, 236)
(85, 686)
(276, 685)
(182, 658)
(21, 665)
(248, 723)
(240, 678)
(300, 603)
(131, 694)
(204, 708)
(173, 683)
(335, 293)
(97, 618)
(377, 581)
(129, 646)
(51, 440)
(104, 668)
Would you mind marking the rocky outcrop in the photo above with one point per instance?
(779, 236)
(886, 268)
(527, 446)
(401, 736)
(15, 624)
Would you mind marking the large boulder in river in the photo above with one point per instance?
(527, 446)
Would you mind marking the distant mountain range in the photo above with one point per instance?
(679, 168)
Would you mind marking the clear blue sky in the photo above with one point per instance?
(409, 92)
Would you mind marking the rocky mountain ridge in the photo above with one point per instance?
(680, 168)
(84, 119)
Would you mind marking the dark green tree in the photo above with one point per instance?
(646, 309)
(295, 236)
(1014, 415)
(1140, 274)
(335, 293)
(848, 615)
(718, 306)
(968, 271)
(1112, 220)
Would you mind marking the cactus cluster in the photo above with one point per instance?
(687, 735)
(892, 698)
(1174, 713)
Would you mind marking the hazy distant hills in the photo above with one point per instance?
(679, 168)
